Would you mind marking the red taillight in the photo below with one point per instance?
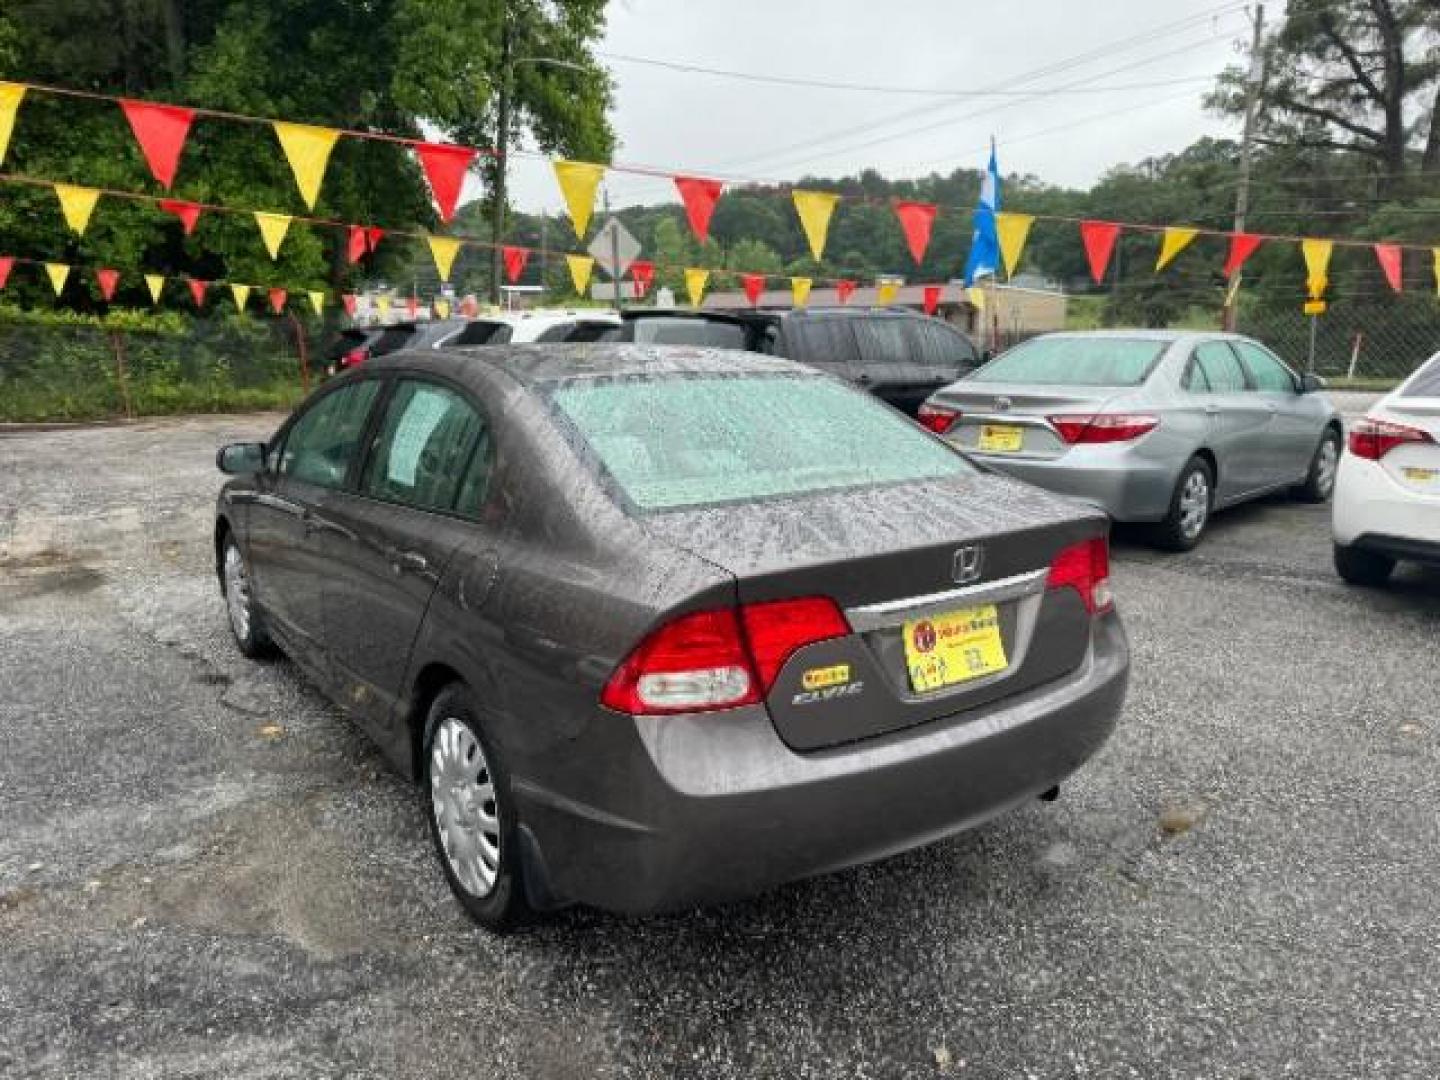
(354, 356)
(704, 661)
(1085, 567)
(1373, 439)
(1104, 427)
(937, 418)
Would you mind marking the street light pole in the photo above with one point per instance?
(1254, 79)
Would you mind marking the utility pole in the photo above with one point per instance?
(502, 162)
(1253, 82)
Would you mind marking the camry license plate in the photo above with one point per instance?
(954, 647)
(1001, 438)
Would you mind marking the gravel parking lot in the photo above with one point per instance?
(205, 870)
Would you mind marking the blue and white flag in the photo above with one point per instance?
(984, 258)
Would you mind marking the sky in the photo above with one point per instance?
(1050, 56)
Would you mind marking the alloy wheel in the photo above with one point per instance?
(462, 795)
(1327, 463)
(1194, 504)
(237, 592)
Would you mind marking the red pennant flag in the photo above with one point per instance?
(1390, 262)
(932, 298)
(445, 167)
(644, 274)
(197, 291)
(277, 300)
(1242, 246)
(348, 299)
(187, 212)
(412, 307)
(844, 290)
(916, 218)
(7, 263)
(372, 237)
(107, 279)
(699, 196)
(161, 131)
(1099, 238)
(514, 258)
(754, 285)
(355, 246)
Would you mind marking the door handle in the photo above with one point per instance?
(413, 561)
(862, 378)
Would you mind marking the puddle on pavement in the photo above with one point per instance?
(46, 573)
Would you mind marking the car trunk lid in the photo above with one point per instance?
(1014, 420)
(952, 571)
(1415, 466)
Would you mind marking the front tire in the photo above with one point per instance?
(467, 802)
(247, 624)
(1190, 507)
(1366, 569)
(1319, 482)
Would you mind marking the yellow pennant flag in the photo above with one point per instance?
(1317, 265)
(317, 301)
(382, 304)
(241, 293)
(578, 180)
(815, 209)
(695, 281)
(1174, 241)
(77, 204)
(885, 292)
(1012, 230)
(58, 273)
(800, 291)
(442, 308)
(273, 228)
(10, 95)
(307, 149)
(443, 250)
(1435, 254)
(581, 266)
(155, 283)
(977, 297)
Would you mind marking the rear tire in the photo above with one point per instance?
(1319, 482)
(467, 802)
(1190, 508)
(1362, 568)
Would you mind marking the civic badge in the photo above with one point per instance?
(969, 564)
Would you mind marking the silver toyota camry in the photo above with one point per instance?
(1154, 426)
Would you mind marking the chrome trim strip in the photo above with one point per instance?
(894, 612)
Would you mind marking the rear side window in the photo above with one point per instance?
(424, 447)
(392, 339)
(324, 442)
(1426, 382)
(820, 341)
(482, 332)
(882, 341)
(936, 345)
(1220, 367)
(1268, 373)
(684, 441)
(1076, 361)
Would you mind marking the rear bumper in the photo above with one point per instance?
(1371, 509)
(718, 807)
(1128, 488)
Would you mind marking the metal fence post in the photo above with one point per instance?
(304, 354)
(122, 375)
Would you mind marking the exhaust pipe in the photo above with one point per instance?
(1050, 794)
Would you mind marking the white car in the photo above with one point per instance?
(524, 327)
(1387, 493)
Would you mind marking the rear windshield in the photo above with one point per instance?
(1075, 361)
(721, 335)
(1426, 382)
(684, 441)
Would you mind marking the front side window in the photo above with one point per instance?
(1220, 367)
(683, 441)
(939, 346)
(1426, 382)
(821, 340)
(424, 448)
(1269, 373)
(324, 442)
(1075, 361)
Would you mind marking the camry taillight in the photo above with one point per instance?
(1085, 567)
(1373, 439)
(1104, 427)
(720, 658)
(937, 418)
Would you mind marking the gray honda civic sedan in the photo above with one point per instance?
(1156, 426)
(657, 627)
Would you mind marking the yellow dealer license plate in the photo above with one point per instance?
(1421, 476)
(954, 647)
(1001, 438)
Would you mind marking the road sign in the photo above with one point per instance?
(1314, 307)
(614, 248)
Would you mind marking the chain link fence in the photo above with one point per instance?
(1370, 344)
(224, 364)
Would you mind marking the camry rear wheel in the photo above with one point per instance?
(1364, 568)
(1190, 507)
(1319, 482)
(467, 803)
(246, 622)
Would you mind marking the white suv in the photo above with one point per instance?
(524, 327)
(1387, 493)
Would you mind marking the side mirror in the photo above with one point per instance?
(1309, 383)
(241, 458)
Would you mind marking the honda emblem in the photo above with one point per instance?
(969, 564)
